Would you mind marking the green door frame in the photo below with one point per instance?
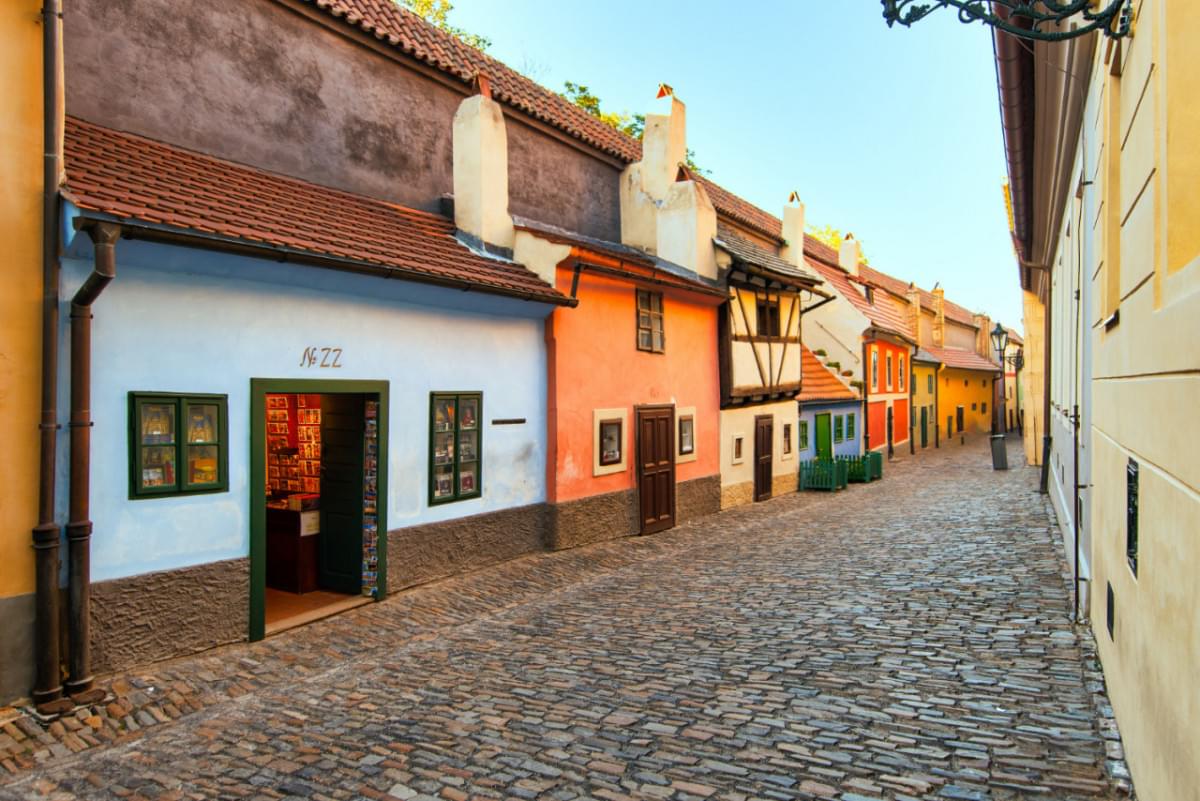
(259, 389)
(824, 422)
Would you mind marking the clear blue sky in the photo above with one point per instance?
(893, 134)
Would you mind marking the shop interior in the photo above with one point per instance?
(321, 516)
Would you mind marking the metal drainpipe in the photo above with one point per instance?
(47, 688)
(1044, 486)
(937, 409)
(79, 529)
(866, 373)
(912, 417)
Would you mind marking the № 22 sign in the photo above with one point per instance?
(330, 358)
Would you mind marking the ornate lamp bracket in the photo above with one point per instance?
(1042, 20)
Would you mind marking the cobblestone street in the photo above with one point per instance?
(808, 647)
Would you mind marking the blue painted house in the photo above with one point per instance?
(830, 412)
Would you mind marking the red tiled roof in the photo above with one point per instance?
(387, 21)
(134, 178)
(963, 359)
(881, 314)
(958, 314)
(818, 382)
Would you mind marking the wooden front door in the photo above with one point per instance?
(889, 431)
(824, 436)
(656, 467)
(959, 412)
(764, 440)
(340, 543)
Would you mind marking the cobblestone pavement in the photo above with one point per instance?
(904, 639)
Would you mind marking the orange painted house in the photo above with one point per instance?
(634, 398)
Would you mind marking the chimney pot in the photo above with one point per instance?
(849, 256)
(793, 231)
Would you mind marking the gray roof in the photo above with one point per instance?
(747, 252)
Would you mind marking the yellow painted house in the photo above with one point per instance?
(20, 309)
(1106, 204)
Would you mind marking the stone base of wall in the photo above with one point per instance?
(595, 519)
(16, 647)
(784, 484)
(737, 495)
(697, 498)
(420, 554)
(161, 615)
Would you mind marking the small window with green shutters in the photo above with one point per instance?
(850, 426)
(178, 444)
(837, 428)
(455, 446)
(803, 435)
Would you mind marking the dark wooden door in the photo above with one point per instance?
(764, 439)
(889, 430)
(656, 467)
(341, 538)
(924, 426)
(959, 413)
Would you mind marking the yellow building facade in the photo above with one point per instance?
(1113, 262)
(20, 309)
(965, 399)
(926, 433)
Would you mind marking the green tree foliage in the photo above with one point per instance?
(437, 13)
(833, 237)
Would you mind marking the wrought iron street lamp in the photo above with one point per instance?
(1043, 20)
(999, 455)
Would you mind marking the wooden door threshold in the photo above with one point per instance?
(318, 613)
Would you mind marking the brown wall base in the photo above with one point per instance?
(697, 498)
(431, 551)
(170, 613)
(16, 647)
(595, 519)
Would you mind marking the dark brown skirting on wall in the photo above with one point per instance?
(170, 613)
(697, 498)
(16, 647)
(423, 553)
(595, 519)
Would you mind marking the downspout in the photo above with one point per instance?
(866, 374)
(1043, 487)
(912, 416)
(47, 688)
(79, 528)
(937, 409)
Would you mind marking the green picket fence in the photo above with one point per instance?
(876, 461)
(823, 474)
(858, 468)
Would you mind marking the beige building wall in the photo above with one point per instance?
(20, 311)
(1033, 377)
(1146, 393)
(737, 472)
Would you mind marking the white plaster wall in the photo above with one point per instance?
(180, 320)
(740, 422)
(837, 329)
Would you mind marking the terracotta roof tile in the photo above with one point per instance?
(818, 382)
(881, 314)
(746, 251)
(132, 177)
(410, 34)
(963, 359)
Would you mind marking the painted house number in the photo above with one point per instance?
(321, 357)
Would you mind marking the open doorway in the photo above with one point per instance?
(318, 484)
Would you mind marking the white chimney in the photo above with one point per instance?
(664, 148)
(481, 170)
(848, 256)
(793, 231)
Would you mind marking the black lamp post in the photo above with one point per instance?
(999, 454)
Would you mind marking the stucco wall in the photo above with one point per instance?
(849, 446)
(596, 365)
(20, 309)
(181, 320)
(252, 81)
(837, 328)
(964, 388)
(1145, 386)
(739, 422)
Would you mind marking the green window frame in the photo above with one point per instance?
(455, 446)
(178, 444)
(838, 422)
(803, 435)
(850, 426)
